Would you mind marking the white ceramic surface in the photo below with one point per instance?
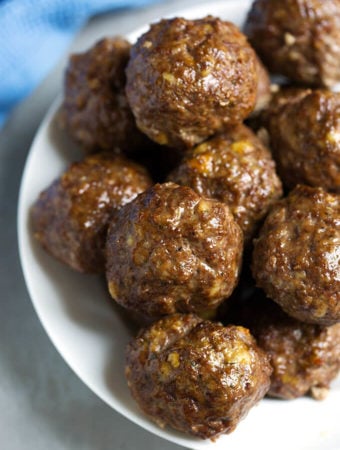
(91, 333)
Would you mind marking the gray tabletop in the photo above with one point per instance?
(44, 406)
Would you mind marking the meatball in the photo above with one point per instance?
(234, 168)
(305, 357)
(304, 130)
(171, 250)
(196, 376)
(70, 217)
(296, 257)
(298, 38)
(95, 111)
(187, 79)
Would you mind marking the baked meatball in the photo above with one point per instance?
(296, 257)
(298, 38)
(70, 217)
(171, 250)
(187, 79)
(95, 111)
(304, 130)
(234, 168)
(305, 357)
(196, 376)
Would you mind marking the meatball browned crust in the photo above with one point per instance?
(187, 79)
(234, 168)
(296, 257)
(70, 217)
(305, 137)
(95, 111)
(298, 38)
(305, 357)
(196, 376)
(171, 250)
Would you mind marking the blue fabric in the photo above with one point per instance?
(34, 34)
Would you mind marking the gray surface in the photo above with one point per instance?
(44, 406)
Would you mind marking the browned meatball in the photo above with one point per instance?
(188, 79)
(95, 110)
(305, 357)
(298, 38)
(70, 217)
(171, 250)
(234, 168)
(196, 376)
(304, 130)
(296, 257)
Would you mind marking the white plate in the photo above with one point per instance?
(91, 334)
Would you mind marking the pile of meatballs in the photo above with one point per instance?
(210, 199)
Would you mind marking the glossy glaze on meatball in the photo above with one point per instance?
(296, 257)
(187, 79)
(234, 168)
(95, 111)
(298, 38)
(305, 357)
(196, 376)
(171, 250)
(70, 217)
(304, 131)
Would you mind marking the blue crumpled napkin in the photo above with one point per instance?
(34, 34)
